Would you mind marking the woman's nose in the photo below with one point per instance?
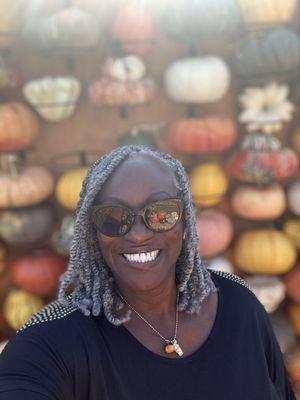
(139, 232)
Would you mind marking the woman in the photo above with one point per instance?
(145, 319)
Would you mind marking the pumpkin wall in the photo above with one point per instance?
(220, 97)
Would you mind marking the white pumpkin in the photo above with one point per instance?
(53, 98)
(269, 290)
(266, 108)
(220, 263)
(129, 68)
(294, 197)
(2, 345)
(197, 80)
(70, 27)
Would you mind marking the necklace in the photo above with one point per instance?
(171, 344)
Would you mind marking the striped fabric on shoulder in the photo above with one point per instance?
(231, 277)
(50, 312)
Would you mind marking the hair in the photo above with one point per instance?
(94, 287)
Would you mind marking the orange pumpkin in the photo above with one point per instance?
(206, 135)
(264, 251)
(292, 283)
(19, 306)
(208, 183)
(18, 126)
(133, 27)
(259, 203)
(29, 186)
(215, 231)
(38, 272)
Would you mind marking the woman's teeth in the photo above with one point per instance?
(141, 257)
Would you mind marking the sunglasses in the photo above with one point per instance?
(117, 220)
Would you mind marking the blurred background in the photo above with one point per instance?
(213, 82)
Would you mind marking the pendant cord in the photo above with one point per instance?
(150, 325)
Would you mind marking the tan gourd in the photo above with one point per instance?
(264, 251)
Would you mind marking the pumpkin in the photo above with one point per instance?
(263, 53)
(25, 226)
(31, 185)
(283, 330)
(296, 140)
(293, 195)
(208, 183)
(53, 98)
(69, 27)
(9, 77)
(108, 92)
(266, 108)
(264, 251)
(293, 310)
(269, 290)
(38, 273)
(215, 231)
(124, 69)
(68, 187)
(202, 135)
(189, 22)
(19, 306)
(259, 203)
(133, 27)
(197, 80)
(291, 228)
(264, 13)
(261, 163)
(10, 22)
(291, 281)
(61, 239)
(220, 263)
(18, 126)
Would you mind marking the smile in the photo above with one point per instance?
(141, 257)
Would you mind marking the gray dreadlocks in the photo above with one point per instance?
(94, 287)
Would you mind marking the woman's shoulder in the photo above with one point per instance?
(234, 289)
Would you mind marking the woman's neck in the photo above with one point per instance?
(156, 302)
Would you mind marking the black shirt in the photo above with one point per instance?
(63, 355)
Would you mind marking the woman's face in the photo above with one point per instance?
(138, 181)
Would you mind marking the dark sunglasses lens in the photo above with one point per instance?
(112, 221)
(162, 216)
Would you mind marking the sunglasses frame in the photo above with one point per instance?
(141, 213)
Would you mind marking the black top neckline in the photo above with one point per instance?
(184, 359)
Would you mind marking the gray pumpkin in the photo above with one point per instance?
(188, 21)
(25, 226)
(263, 53)
(61, 240)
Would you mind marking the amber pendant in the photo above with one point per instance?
(173, 347)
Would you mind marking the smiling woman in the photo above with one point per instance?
(137, 302)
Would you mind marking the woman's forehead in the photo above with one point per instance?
(137, 178)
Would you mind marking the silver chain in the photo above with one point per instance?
(151, 326)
